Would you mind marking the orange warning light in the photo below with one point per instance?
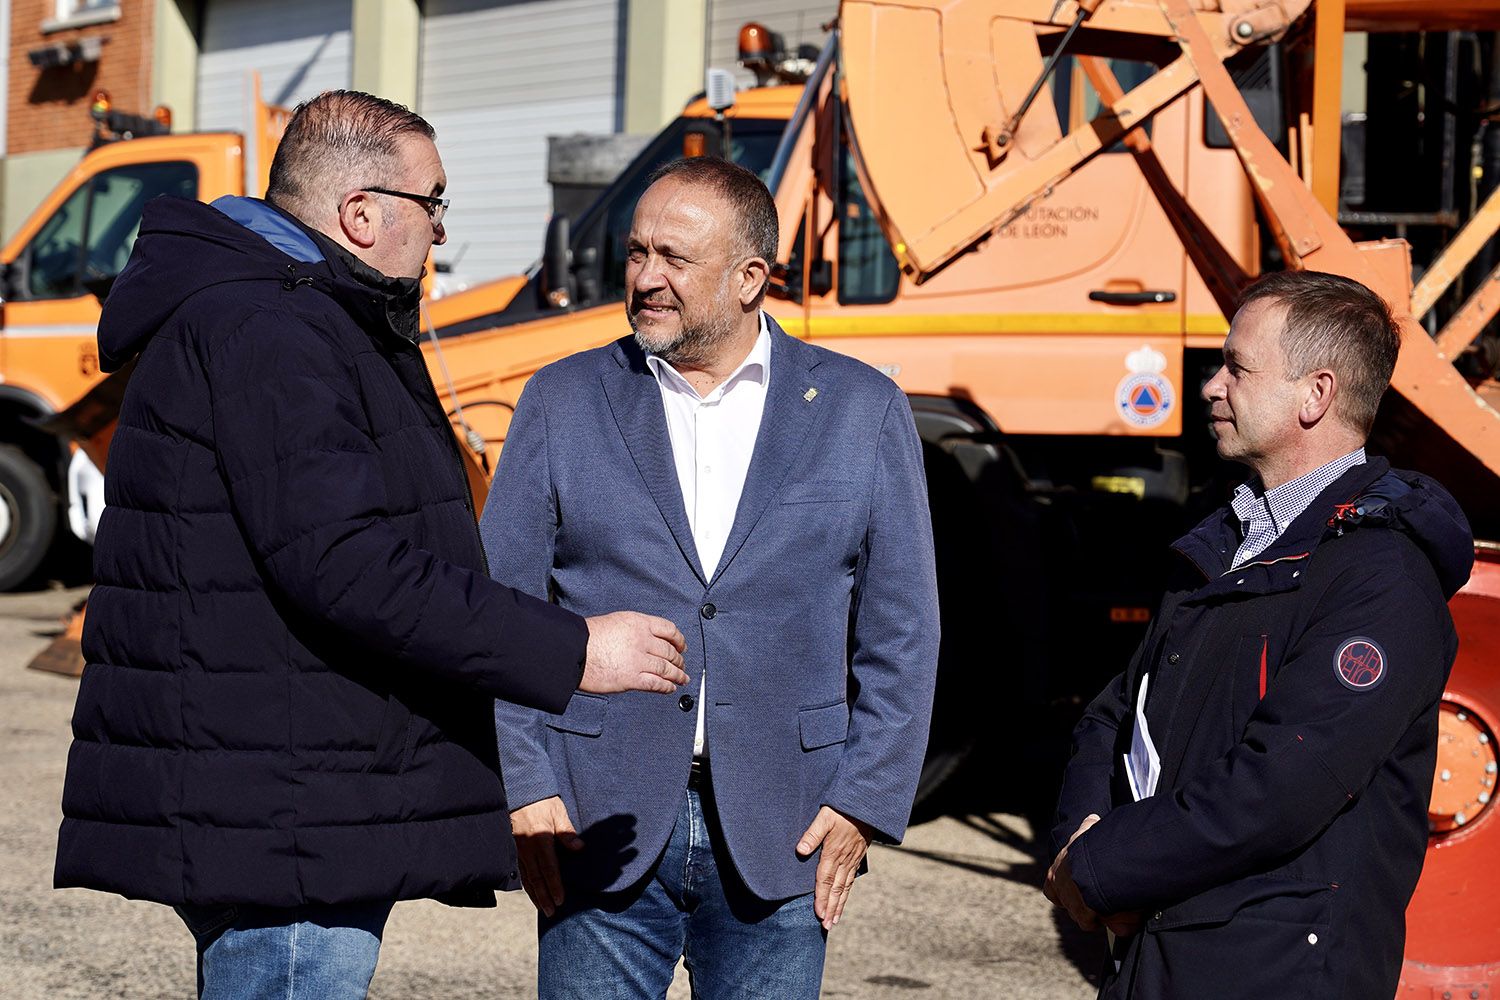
(755, 42)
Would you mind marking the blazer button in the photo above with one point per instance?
(1174, 657)
(708, 611)
(685, 703)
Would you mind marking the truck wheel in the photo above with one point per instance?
(28, 517)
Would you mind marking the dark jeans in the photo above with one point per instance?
(307, 953)
(692, 906)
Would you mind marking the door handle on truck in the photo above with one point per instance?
(1150, 295)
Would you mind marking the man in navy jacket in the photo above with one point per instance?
(767, 496)
(1246, 804)
(293, 646)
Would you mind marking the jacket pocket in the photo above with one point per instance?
(1275, 924)
(584, 715)
(818, 491)
(393, 743)
(823, 725)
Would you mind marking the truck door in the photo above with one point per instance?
(60, 275)
(1067, 319)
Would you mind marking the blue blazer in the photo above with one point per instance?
(820, 625)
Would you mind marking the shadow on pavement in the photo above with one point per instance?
(1019, 776)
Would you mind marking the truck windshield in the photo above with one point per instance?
(752, 143)
(85, 244)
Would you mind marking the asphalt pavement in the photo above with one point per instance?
(954, 912)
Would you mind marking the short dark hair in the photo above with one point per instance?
(754, 208)
(339, 141)
(1336, 323)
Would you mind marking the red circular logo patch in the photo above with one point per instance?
(1359, 663)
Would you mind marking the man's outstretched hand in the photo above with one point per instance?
(629, 651)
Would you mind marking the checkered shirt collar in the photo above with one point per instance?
(1265, 515)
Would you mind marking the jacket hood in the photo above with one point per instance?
(1417, 505)
(186, 246)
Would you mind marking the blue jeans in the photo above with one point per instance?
(307, 953)
(691, 906)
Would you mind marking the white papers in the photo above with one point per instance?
(1142, 765)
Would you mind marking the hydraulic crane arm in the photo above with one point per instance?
(971, 65)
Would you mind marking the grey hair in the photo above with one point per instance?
(339, 141)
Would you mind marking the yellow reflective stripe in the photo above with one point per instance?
(992, 323)
(1209, 323)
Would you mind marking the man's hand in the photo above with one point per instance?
(844, 841)
(1063, 891)
(538, 829)
(629, 651)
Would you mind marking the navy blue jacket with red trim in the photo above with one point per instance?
(1293, 702)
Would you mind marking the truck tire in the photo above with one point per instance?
(28, 517)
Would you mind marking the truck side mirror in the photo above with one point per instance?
(15, 277)
(784, 282)
(820, 277)
(557, 265)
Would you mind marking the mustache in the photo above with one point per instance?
(639, 302)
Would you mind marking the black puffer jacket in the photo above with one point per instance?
(292, 645)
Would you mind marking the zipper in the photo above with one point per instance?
(1266, 562)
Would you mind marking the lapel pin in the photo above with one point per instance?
(810, 395)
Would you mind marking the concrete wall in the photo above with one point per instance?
(174, 61)
(387, 35)
(663, 60)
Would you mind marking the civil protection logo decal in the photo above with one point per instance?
(1359, 663)
(1145, 397)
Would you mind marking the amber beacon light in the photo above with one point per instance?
(756, 42)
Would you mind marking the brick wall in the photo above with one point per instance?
(48, 109)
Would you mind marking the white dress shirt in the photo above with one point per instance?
(712, 439)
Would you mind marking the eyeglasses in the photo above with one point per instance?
(436, 207)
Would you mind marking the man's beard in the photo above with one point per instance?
(695, 342)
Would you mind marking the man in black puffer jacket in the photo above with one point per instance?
(293, 646)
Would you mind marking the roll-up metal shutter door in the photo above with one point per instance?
(300, 48)
(798, 22)
(496, 80)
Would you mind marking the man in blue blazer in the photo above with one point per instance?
(768, 497)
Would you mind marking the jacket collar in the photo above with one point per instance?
(1211, 545)
(786, 423)
(377, 301)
